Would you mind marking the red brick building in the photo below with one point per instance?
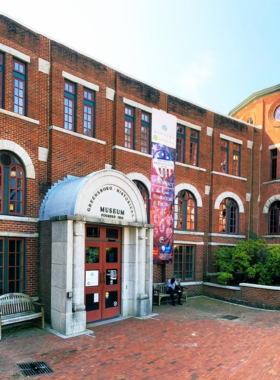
(262, 108)
(75, 132)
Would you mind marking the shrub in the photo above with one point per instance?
(224, 277)
(245, 262)
(270, 269)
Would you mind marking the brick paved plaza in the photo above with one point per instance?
(192, 341)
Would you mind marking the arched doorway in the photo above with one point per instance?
(101, 250)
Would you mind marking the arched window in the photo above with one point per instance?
(145, 195)
(274, 219)
(12, 184)
(228, 216)
(185, 211)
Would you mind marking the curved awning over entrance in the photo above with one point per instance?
(107, 195)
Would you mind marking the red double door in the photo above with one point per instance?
(102, 273)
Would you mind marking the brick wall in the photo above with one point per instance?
(44, 260)
(264, 297)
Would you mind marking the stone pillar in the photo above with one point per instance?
(78, 306)
(136, 272)
(144, 294)
(79, 266)
(67, 276)
(149, 266)
(128, 271)
(61, 275)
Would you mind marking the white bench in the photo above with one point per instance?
(18, 307)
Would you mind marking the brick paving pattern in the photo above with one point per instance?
(192, 341)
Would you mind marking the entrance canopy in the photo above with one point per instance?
(107, 196)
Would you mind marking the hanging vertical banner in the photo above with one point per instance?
(163, 185)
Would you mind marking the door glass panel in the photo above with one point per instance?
(111, 299)
(93, 232)
(111, 233)
(111, 276)
(111, 255)
(92, 301)
(92, 255)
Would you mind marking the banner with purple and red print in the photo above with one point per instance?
(163, 185)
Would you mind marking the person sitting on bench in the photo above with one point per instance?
(174, 287)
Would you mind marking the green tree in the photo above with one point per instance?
(242, 262)
(269, 271)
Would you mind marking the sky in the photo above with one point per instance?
(214, 53)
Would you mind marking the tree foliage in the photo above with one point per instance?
(249, 261)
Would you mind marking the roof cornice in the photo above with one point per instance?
(253, 97)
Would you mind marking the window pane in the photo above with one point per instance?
(191, 214)
(235, 168)
(111, 255)
(194, 134)
(88, 121)
(274, 217)
(193, 153)
(12, 259)
(224, 164)
(92, 255)
(128, 127)
(145, 139)
(178, 214)
(19, 94)
(112, 233)
(68, 111)
(128, 134)
(145, 196)
(273, 169)
(16, 190)
(189, 263)
(222, 217)
(93, 232)
(180, 150)
(111, 299)
(16, 265)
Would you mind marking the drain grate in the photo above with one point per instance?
(229, 317)
(35, 368)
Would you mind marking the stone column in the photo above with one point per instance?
(79, 266)
(149, 266)
(78, 306)
(144, 274)
(67, 276)
(128, 271)
(136, 272)
(61, 275)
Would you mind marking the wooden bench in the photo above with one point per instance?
(18, 307)
(160, 291)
